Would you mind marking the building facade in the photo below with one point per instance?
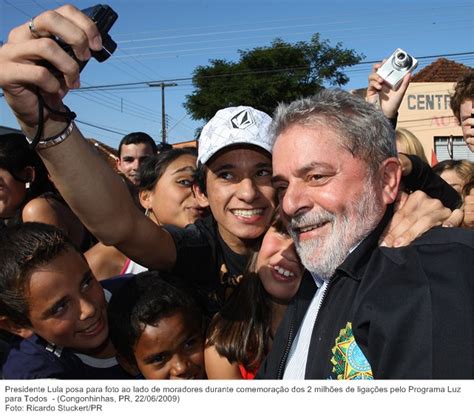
(426, 112)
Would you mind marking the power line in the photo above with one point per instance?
(111, 105)
(343, 26)
(138, 108)
(249, 72)
(100, 128)
(399, 27)
(17, 8)
(121, 133)
(188, 80)
(315, 21)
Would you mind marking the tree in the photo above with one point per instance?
(265, 76)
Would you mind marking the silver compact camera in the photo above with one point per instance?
(396, 67)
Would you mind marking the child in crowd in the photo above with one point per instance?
(241, 334)
(455, 172)
(460, 175)
(165, 187)
(157, 329)
(52, 303)
(165, 192)
(28, 195)
(234, 175)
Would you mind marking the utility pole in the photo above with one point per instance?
(163, 114)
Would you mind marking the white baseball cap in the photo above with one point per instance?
(234, 125)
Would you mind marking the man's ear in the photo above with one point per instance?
(8, 325)
(390, 173)
(200, 196)
(117, 164)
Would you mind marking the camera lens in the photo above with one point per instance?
(401, 60)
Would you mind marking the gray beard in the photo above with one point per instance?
(323, 255)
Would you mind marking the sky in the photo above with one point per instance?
(166, 40)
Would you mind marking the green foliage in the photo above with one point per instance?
(265, 76)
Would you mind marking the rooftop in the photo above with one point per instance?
(441, 70)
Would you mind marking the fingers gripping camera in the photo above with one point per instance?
(104, 17)
(396, 67)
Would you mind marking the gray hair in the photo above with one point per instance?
(364, 131)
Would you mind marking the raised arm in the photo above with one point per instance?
(93, 191)
(417, 212)
(378, 92)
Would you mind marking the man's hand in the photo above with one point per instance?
(414, 215)
(379, 92)
(467, 126)
(20, 73)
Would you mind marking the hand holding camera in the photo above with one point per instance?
(397, 66)
(104, 17)
(388, 95)
(35, 95)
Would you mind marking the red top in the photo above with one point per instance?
(247, 374)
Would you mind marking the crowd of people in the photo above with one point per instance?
(317, 244)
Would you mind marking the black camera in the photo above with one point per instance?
(104, 17)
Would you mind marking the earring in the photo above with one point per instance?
(27, 185)
(147, 212)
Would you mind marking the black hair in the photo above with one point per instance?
(154, 166)
(23, 248)
(16, 155)
(201, 170)
(162, 147)
(200, 177)
(143, 300)
(137, 137)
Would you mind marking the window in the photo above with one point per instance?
(452, 147)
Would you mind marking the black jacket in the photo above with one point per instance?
(408, 309)
(422, 177)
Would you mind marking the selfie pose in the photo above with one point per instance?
(234, 167)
